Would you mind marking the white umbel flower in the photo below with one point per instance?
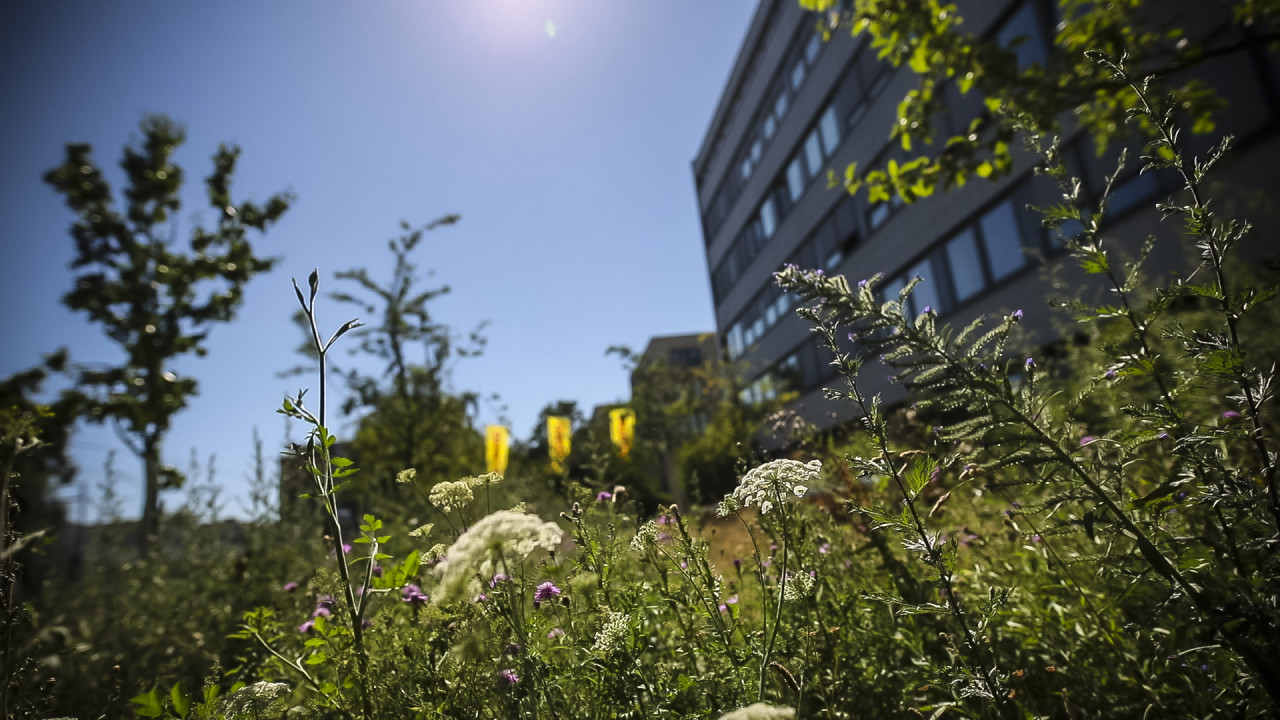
(449, 496)
(505, 535)
(253, 700)
(770, 483)
(612, 633)
(760, 711)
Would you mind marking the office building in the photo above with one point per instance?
(796, 107)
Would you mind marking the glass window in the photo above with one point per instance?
(757, 148)
(797, 74)
(768, 127)
(782, 304)
(878, 214)
(780, 104)
(770, 315)
(734, 341)
(813, 153)
(830, 130)
(795, 179)
(926, 292)
(745, 171)
(1021, 33)
(757, 327)
(768, 218)
(965, 264)
(1003, 242)
(811, 50)
(890, 289)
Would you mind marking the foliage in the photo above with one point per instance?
(1039, 81)
(153, 300)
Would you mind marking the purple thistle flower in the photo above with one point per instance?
(1086, 440)
(346, 548)
(604, 495)
(1017, 314)
(555, 633)
(321, 611)
(862, 284)
(377, 571)
(508, 676)
(413, 595)
(544, 592)
(1230, 414)
(290, 586)
(499, 578)
(927, 309)
(1031, 362)
(307, 627)
(824, 548)
(479, 598)
(1110, 373)
(737, 563)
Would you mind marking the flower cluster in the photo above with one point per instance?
(449, 496)
(798, 586)
(612, 633)
(413, 595)
(253, 700)
(760, 711)
(504, 535)
(770, 483)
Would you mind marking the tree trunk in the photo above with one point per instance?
(150, 524)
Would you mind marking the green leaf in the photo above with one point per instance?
(317, 658)
(148, 705)
(181, 701)
(340, 462)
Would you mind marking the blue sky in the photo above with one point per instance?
(561, 130)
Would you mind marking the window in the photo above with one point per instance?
(769, 126)
(797, 74)
(757, 149)
(768, 218)
(966, 265)
(813, 153)
(813, 48)
(878, 214)
(795, 179)
(780, 105)
(1022, 34)
(830, 130)
(1003, 242)
(926, 292)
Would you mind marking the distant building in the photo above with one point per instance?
(795, 106)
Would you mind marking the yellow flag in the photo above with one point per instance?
(558, 432)
(497, 442)
(622, 429)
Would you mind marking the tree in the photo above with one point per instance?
(156, 301)
(412, 420)
(1028, 81)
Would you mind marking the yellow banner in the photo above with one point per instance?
(622, 429)
(559, 430)
(497, 443)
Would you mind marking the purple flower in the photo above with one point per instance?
(824, 548)
(499, 578)
(935, 474)
(1110, 373)
(1036, 538)
(737, 563)
(555, 633)
(1031, 362)
(1230, 414)
(290, 586)
(321, 611)
(508, 676)
(307, 627)
(663, 537)
(377, 571)
(862, 284)
(366, 623)
(724, 608)
(1017, 314)
(893, 379)
(479, 598)
(413, 595)
(604, 495)
(346, 548)
(544, 592)
(1086, 440)
(927, 309)
(731, 600)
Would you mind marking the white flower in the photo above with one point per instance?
(770, 483)
(504, 536)
(646, 535)
(451, 495)
(798, 586)
(760, 711)
(612, 632)
(253, 700)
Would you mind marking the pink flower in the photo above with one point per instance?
(290, 586)
(603, 496)
(544, 592)
(1086, 440)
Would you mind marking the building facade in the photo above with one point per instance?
(796, 107)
